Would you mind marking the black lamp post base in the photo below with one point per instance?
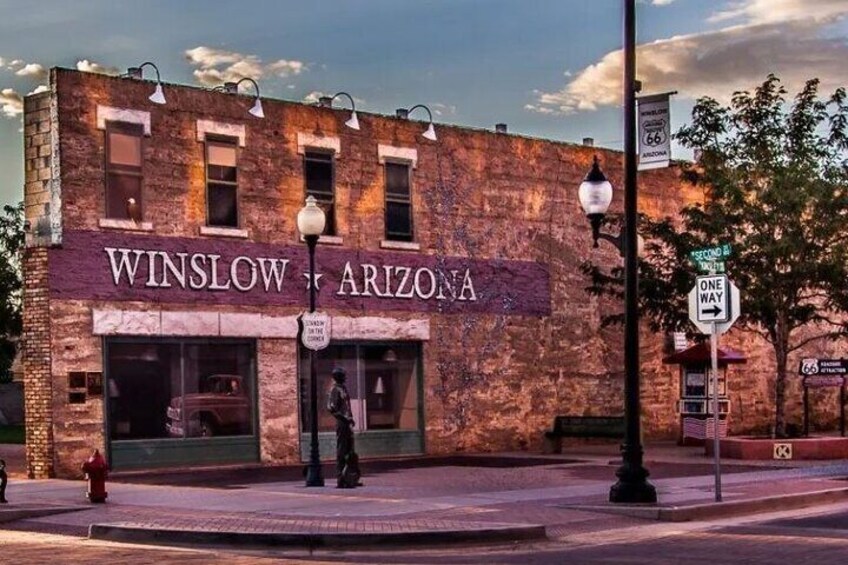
(314, 476)
(632, 486)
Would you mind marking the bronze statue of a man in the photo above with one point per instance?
(347, 462)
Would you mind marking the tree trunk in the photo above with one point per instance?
(781, 347)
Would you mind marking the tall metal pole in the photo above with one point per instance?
(632, 485)
(716, 414)
(314, 476)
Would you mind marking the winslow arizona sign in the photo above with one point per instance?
(110, 266)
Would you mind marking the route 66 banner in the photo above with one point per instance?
(654, 132)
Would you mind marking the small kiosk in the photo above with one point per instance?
(695, 404)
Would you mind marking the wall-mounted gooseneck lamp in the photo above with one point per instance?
(232, 88)
(158, 96)
(327, 102)
(403, 113)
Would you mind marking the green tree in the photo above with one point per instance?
(775, 179)
(11, 245)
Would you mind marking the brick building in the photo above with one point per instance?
(163, 330)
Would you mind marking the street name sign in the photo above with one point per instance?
(711, 253)
(710, 266)
(316, 330)
(710, 259)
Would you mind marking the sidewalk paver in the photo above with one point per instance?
(510, 497)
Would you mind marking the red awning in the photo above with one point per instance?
(700, 354)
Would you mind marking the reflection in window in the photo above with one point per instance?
(222, 183)
(179, 390)
(382, 381)
(123, 171)
(398, 203)
(318, 171)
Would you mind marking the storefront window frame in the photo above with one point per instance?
(109, 341)
(419, 375)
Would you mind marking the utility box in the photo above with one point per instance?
(695, 402)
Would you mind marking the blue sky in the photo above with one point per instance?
(548, 68)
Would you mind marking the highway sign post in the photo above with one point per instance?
(713, 307)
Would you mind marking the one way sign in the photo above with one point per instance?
(712, 299)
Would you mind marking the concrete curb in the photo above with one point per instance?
(144, 534)
(14, 514)
(726, 509)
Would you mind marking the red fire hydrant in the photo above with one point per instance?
(95, 470)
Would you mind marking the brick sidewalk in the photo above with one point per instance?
(501, 498)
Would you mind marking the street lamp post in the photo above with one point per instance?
(310, 223)
(595, 196)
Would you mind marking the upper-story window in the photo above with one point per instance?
(222, 182)
(398, 203)
(124, 171)
(320, 183)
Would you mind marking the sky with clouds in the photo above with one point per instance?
(548, 68)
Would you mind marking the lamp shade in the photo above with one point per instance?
(158, 96)
(311, 219)
(353, 122)
(430, 133)
(595, 192)
(380, 387)
(257, 109)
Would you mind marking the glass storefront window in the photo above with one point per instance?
(382, 380)
(184, 389)
(142, 379)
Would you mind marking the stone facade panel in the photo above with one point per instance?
(279, 436)
(190, 323)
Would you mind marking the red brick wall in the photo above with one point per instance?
(491, 382)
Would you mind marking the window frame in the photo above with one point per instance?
(229, 141)
(397, 200)
(126, 128)
(307, 153)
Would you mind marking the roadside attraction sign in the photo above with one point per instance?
(823, 372)
(819, 373)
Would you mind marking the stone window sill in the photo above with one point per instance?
(328, 240)
(126, 225)
(224, 232)
(400, 245)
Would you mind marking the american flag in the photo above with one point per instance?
(700, 428)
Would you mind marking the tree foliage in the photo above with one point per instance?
(775, 179)
(11, 245)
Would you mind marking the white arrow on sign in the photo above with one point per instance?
(730, 307)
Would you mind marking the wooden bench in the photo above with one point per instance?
(583, 426)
